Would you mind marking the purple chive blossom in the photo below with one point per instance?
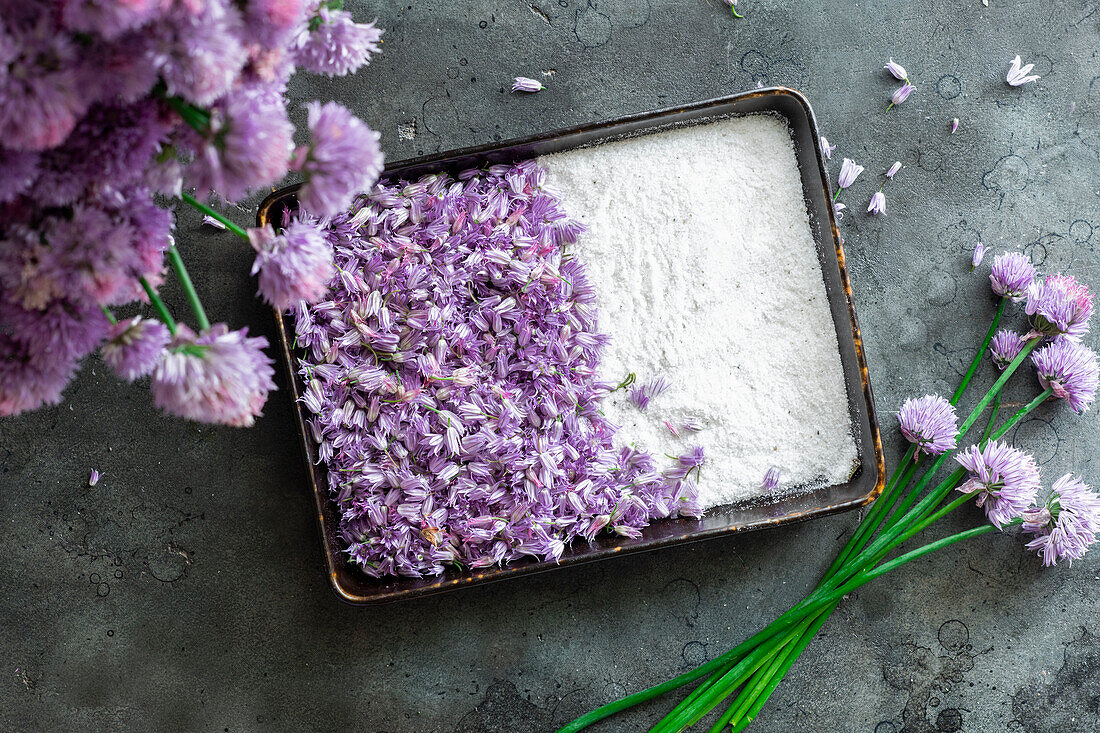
(878, 203)
(827, 148)
(527, 84)
(1011, 275)
(342, 159)
(1059, 306)
(135, 346)
(896, 70)
(849, 172)
(771, 479)
(1067, 524)
(901, 94)
(929, 422)
(293, 266)
(954, 125)
(1005, 479)
(212, 222)
(641, 394)
(93, 479)
(893, 170)
(978, 256)
(248, 146)
(336, 45)
(694, 458)
(1005, 347)
(1069, 369)
(217, 376)
(1018, 76)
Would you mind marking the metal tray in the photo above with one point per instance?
(358, 588)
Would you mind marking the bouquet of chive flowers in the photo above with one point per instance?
(1059, 523)
(111, 111)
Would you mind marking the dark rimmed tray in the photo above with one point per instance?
(358, 588)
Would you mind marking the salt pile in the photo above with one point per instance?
(699, 246)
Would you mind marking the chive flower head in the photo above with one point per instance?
(135, 346)
(342, 159)
(930, 423)
(1011, 275)
(1069, 369)
(1059, 305)
(1005, 347)
(217, 376)
(1066, 525)
(293, 266)
(1005, 479)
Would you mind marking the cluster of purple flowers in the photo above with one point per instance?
(1005, 479)
(106, 104)
(451, 375)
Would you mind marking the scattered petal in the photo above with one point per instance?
(771, 479)
(1018, 76)
(901, 94)
(526, 84)
(849, 172)
(878, 203)
(897, 70)
(979, 254)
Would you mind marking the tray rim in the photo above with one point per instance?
(443, 583)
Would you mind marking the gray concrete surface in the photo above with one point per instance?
(186, 592)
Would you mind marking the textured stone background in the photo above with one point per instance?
(186, 592)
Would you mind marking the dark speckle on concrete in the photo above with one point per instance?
(186, 592)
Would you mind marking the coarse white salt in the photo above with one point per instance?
(699, 246)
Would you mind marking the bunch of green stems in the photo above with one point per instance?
(755, 667)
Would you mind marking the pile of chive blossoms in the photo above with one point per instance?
(110, 111)
(1064, 521)
(451, 380)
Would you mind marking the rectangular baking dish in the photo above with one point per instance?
(865, 484)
